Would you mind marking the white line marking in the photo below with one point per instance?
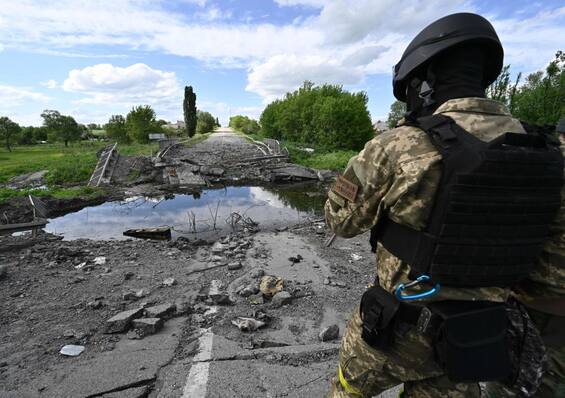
(197, 379)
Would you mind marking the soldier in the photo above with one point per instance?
(459, 201)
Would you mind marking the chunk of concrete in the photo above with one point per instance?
(281, 299)
(121, 322)
(329, 333)
(148, 326)
(161, 311)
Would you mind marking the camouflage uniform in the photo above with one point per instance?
(398, 173)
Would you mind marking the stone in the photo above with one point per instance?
(217, 259)
(256, 299)
(100, 260)
(142, 293)
(95, 304)
(329, 333)
(183, 307)
(3, 271)
(69, 333)
(281, 299)
(327, 281)
(356, 257)
(341, 284)
(271, 285)
(148, 326)
(218, 248)
(212, 171)
(257, 273)
(169, 282)
(234, 266)
(71, 350)
(160, 311)
(128, 275)
(122, 321)
(129, 296)
(247, 324)
(249, 290)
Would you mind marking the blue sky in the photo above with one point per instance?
(92, 59)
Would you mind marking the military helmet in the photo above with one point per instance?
(445, 33)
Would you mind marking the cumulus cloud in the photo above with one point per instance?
(13, 96)
(50, 84)
(135, 84)
(280, 73)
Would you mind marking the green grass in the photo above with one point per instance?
(83, 192)
(320, 158)
(66, 167)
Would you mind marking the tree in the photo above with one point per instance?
(244, 124)
(61, 127)
(40, 133)
(116, 129)
(189, 110)
(501, 90)
(397, 111)
(218, 122)
(326, 115)
(205, 122)
(26, 136)
(8, 131)
(93, 126)
(140, 121)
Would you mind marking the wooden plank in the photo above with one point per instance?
(26, 226)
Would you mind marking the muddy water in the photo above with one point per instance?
(270, 207)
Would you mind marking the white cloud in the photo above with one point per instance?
(1, 47)
(13, 96)
(280, 73)
(135, 84)
(50, 84)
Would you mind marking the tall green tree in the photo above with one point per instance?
(140, 122)
(61, 127)
(397, 111)
(244, 124)
(9, 131)
(189, 110)
(116, 129)
(326, 115)
(26, 137)
(205, 122)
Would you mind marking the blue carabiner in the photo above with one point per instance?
(420, 279)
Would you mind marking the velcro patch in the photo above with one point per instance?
(346, 189)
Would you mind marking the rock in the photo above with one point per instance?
(247, 324)
(327, 281)
(169, 282)
(217, 259)
(133, 335)
(100, 261)
(79, 279)
(122, 321)
(256, 299)
(329, 333)
(257, 273)
(296, 259)
(95, 304)
(271, 285)
(142, 293)
(69, 333)
(148, 326)
(216, 294)
(281, 299)
(356, 257)
(218, 248)
(249, 290)
(340, 284)
(29, 180)
(212, 171)
(3, 271)
(128, 275)
(129, 296)
(71, 350)
(234, 266)
(183, 306)
(160, 311)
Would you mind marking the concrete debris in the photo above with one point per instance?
(161, 311)
(256, 299)
(100, 261)
(95, 304)
(257, 273)
(281, 299)
(235, 265)
(3, 271)
(271, 285)
(249, 290)
(247, 324)
(356, 257)
(121, 322)
(218, 248)
(169, 282)
(329, 333)
(212, 171)
(147, 326)
(71, 350)
(29, 180)
(142, 293)
(298, 258)
(129, 296)
(217, 295)
(128, 275)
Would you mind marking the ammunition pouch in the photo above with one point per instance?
(471, 342)
(378, 310)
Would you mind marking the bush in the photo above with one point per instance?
(326, 115)
(244, 124)
(205, 122)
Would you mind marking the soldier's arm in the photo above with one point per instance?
(371, 172)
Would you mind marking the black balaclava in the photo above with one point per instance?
(454, 73)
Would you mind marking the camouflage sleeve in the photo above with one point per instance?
(372, 173)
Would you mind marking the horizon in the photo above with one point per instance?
(92, 59)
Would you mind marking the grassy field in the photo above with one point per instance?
(67, 167)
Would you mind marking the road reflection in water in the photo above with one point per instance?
(270, 207)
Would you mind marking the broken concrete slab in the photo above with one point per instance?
(281, 298)
(148, 326)
(212, 171)
(29, 180)
(121, 322)
(161, 311)
(293, 171)
(329, 333)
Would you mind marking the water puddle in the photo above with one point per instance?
(194, 216)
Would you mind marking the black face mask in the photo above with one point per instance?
(456, 73)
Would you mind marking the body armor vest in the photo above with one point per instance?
(492, 210)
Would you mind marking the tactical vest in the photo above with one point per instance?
(492, 210)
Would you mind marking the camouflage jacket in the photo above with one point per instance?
(398, 172)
